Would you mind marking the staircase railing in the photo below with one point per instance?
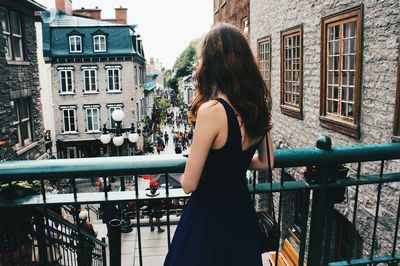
(60, 241)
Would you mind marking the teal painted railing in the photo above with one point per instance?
(316, 228)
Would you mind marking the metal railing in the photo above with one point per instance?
(318, 191)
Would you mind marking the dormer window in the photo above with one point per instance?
(99, 43)
(75, 44)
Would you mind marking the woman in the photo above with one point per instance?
(218, 226)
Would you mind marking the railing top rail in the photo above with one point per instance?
(154, 164)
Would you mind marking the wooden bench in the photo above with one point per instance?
(287, 257)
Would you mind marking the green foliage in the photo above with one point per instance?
(185, 62)
(20, 188)
(161, 105)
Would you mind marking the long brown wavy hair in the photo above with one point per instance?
(227, 65)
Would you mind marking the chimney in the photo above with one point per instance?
(64, 6)
(121, 15)
(89, 13)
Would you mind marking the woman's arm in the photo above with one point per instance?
(260, 160)
(206, 130)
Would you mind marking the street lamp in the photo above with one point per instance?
(118, 140)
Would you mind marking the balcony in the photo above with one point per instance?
(307, 206)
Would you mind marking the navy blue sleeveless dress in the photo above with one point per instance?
(218, 226)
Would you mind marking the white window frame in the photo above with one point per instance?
(115, 87)
(100, 40)
(66, 84)
(69, 120)
(94, 129)
(111, 109)
(73, 44)
(18, 123)
(93, 87)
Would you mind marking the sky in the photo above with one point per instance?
(166, 26)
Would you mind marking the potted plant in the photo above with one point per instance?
(153, 187)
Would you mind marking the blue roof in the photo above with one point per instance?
(149, 86)
(57, 27)
(152, 75)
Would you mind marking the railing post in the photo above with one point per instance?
(41, 237)
(322, 210)
(103, 252)
(114, 237)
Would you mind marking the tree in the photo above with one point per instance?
(186, 61)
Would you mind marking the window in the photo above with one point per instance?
(99, 43)
(23, 121)
(90, 79)
(92, 118)
(341, 65)
(245, 24)
(136, 77)
(264, 59)
(292, 72)
(75, 44)
(111, 109)
(69, 119)
(396, 132)
(113, 78)
(11, 26)
(66, 80)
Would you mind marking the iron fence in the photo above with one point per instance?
(325, 188)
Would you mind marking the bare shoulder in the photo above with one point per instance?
(210, 108)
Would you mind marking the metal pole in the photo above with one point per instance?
(103, 252)
(114, 237)
(322, 211)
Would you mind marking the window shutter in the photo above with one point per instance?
(85, 119)
(120, 79)
(76, 121)
(59, 82)
(106, 79)
(73, 81)
(62, 121)
(97, 81)
(83, 81)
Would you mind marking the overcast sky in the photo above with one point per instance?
(166, 26)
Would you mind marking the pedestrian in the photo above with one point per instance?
(85, 245)
(108, 211)
(232, 110)
(155, 212)
(178, 148)
(158, 148)
(166, 137)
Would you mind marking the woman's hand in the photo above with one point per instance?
(260, 160)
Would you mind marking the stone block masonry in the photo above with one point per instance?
(379, 66)
(21, 79)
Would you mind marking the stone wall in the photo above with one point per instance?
(380, 51)
(21, 79)
(233, 11)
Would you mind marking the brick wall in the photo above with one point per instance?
(18, 80)
(378, 91)
(233, 12)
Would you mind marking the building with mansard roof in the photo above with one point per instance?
(96, 67)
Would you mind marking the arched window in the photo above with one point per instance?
(75, 44)
(99, 43)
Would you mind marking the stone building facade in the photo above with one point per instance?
(235, 12)
(96, 67)
(21, 123)
(332, 68)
